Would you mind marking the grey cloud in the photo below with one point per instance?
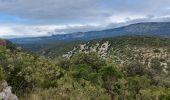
(83, 12)
(80, 11)
(53, 10)
(139, 20)
(84, 28)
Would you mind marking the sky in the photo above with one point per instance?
(32, 18)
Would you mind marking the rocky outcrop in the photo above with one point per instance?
(2, 42)
(6, 92)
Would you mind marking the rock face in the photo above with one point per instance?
(6, 92)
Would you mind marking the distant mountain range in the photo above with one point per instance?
(147, 28)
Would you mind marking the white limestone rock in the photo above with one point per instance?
(6, 92)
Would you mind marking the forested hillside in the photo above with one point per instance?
(128, 68)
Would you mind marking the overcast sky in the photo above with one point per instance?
(22, 18)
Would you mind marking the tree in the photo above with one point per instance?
(134, 68)
(81, 71)
(91, 59)
(64, 63)
(137, 83)
(110, 75)
(156, 65)
(166, 95)
(2, 74)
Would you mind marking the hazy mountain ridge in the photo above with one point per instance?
(147, 28)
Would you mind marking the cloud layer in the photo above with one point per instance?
(30, 17)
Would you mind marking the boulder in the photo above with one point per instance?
(6, 92)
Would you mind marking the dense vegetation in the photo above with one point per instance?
(86, 76)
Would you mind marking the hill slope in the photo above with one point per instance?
(105, 45)
(128, 67)
(121, 50)
(23, 70)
